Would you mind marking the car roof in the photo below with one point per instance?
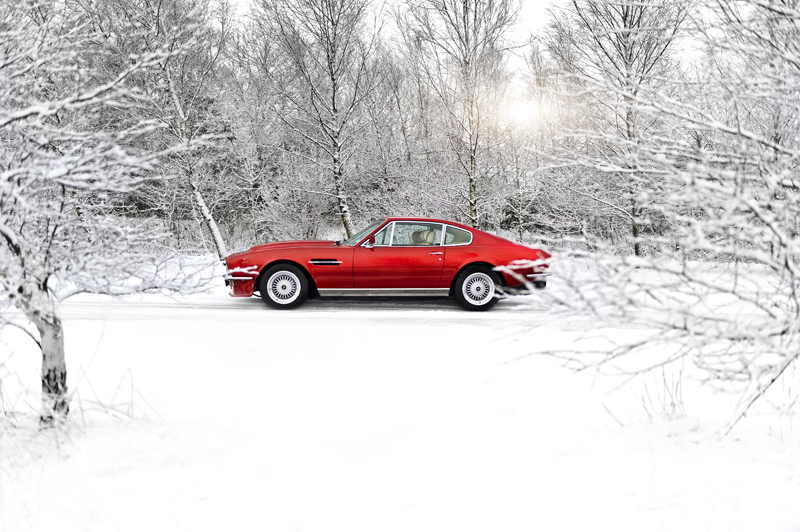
(478, 235)
(432, 220)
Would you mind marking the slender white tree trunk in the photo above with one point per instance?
(339, 189)
(341, 198)
(211, 224)
(473, 191)
(43, 313)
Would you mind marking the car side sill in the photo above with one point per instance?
(398, 292)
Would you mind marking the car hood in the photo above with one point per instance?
(295, 244)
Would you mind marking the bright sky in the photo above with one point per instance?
(533, 15)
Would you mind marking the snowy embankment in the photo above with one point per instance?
(214, 413)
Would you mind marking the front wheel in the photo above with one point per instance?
(475, 288)
(284, 286)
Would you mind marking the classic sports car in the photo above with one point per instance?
(393, 256)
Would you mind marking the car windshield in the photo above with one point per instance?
(356, 238)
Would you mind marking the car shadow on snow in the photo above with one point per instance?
(393, 303)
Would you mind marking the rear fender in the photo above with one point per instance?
(470, 265)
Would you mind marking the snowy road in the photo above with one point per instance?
(213, 413)
(516, 309)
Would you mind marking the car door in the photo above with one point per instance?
(404, 255)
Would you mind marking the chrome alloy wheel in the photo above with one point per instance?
(283, 287)
(478, 288)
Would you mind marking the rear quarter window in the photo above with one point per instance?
(455, 236)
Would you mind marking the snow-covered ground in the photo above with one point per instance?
(213, 413)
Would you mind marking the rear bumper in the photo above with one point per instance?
(523, 284)
(535, 277)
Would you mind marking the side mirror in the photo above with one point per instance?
(370, 242)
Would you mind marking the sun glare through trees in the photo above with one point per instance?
(521, 112)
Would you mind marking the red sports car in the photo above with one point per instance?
(393, 256)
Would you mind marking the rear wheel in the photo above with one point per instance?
(284, 286)
(476, 288)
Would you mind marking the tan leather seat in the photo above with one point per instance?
(423, 238)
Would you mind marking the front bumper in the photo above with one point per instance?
(239, 285)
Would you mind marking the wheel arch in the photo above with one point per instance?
(312, 286)
(484, 264)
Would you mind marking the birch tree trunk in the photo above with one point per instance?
(339, 190)
(55, 403)
(208, 219)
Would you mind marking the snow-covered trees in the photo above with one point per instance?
(67, 153)
(611, 52)
(187, 101)
(737, 163)
(461, 47)
(324, 70)
(723, 165)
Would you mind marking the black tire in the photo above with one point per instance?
(284, 286)
(476, 288)
(540, 285)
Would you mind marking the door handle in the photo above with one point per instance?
(436, 253)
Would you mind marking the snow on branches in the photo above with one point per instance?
(714, 178)
(69, 145)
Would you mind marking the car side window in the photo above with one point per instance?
(382, 237)
(455, 236)
(417, 234)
